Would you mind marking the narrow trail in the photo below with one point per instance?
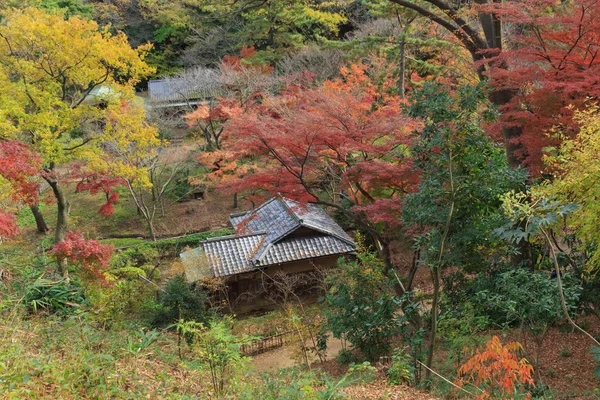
(282, 358)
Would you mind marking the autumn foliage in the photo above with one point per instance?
(89, 254)
(497, 368)
(347, 139)
(552, 64)
(95, 184)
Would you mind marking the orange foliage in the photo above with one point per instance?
(497, 366)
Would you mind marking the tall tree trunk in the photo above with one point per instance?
(437, 274)
(151, 229)
(40, 222)
(235, 200)
(436, 278)
(63, 209)
(402, 67)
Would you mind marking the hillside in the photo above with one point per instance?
(299, 199)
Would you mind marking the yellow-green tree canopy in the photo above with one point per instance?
(577, 176)
(68, 93)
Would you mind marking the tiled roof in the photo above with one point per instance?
(303, 247)
(313, 216)
(263, 239)
(179, 90)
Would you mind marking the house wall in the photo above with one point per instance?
(247, 291)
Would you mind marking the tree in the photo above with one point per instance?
(219, 349)
(69, 82)
(550, 68)
(361, 306)
(550, 61)
(272, 27)
(498, 368)
(342, 145)
(19, 166)
(575, 169)
(449, 215)
(89, 254)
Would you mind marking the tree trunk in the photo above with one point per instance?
(235, 200)
(402, 67)
(151, 229)
(63, 209)
(40, 222)
(436, 277)
(383, 250)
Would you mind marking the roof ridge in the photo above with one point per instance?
(334, 234)
(285, 205)
(234, 236)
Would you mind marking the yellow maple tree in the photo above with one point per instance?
(68, 92)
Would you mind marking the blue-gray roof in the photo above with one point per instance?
(178, 90)
(263, 238)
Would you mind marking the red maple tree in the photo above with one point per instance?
(91, 255)
(97, 183)
(342, 145)
(498, 368)
(19, 166)
(551, 68)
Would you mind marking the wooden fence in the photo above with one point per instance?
(265, 344)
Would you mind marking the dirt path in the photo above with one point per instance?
(282, 357)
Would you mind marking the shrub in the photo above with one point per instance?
(180, 301)
(52, 297)
(497, 369)
(596, 355)
(345, 357)
(120, 303)
(361, 306)
(219, 350)
(401, 370)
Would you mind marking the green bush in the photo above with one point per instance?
(120, 303)
(180, 301)
(345, 357)
(53, 297)
(401, 370)
(134, 257)
(361, 306)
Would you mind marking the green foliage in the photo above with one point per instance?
(127, 273)
(344, 357)
(73, 358)
(141, 340)
(69, 7)
(401, 370)
(454, 156)
(596, 354)
(273, 28)
(134, 257)
(136, 252)
(178, 244)
(178, 301)
(296, 384)
(565, 352)
(517, 296)
(361, 306)
(52, 297)
(123, 301)
(462, 330)
(219, 350)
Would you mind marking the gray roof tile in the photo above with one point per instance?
(178, 90)
(303, 247)
(261, 239)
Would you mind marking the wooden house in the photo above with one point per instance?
(280, 235)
